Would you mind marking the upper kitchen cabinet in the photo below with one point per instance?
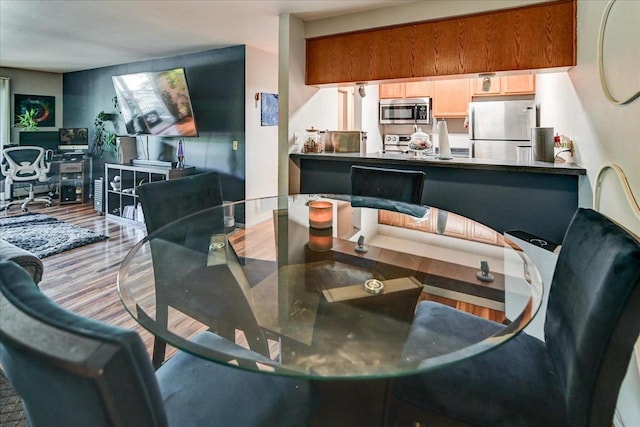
(451, 98)
(504, 85)
(392, 90)
(421, 89)
(538, 36)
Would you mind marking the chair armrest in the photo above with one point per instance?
(25, 259)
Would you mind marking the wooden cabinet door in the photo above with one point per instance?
(418, 89)
(392, 90)
(525, 83)
(451, 98)
(492, 88)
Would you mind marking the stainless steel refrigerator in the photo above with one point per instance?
(496, 128)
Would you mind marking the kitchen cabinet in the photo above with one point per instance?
(455, 226)
(392, 90)
(451, 98)
(537, 36)
(524, 84)
(420, 89)
(505, 85)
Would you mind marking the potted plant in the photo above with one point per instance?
(27, 121)
(105, 138)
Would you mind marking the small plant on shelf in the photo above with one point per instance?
(27, 121)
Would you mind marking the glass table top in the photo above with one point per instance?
(324, 286)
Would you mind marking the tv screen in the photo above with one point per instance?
(156, 103)
(73, 139)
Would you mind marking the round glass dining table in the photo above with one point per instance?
(324, 286)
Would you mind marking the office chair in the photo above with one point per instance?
(164, 202)
(74, 371)
(571, 379)
(390, 189)
(24, 164)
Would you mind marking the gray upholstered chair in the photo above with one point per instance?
(25, 164)
(164, 202)
(73, 371)
(571, 379)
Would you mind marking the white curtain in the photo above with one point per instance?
(5, 111)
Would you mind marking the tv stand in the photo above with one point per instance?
(121, 202)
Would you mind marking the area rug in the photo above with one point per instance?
(44, 235)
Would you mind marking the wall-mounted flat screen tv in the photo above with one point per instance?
(156, 103)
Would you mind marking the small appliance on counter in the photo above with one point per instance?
(343, 141)
(497, 128)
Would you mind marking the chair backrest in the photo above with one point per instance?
(392, 184)
(26, 163)
(166, 201)
(70, 370)
(593, 315)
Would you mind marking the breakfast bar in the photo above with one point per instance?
(538, 198)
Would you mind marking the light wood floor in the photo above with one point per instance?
(83, 280)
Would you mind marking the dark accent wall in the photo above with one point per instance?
(216, 80)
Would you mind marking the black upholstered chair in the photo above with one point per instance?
(188, 246)
(393, 184)
(571, 379)
(390, 189)
(73, 371)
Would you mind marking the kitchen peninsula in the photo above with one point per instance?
(539, 198)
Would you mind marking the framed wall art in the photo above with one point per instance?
(44, 106)
(269, 109)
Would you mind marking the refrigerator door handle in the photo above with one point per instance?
(472, 123)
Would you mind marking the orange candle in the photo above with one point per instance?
(320, 214)
(320, 239)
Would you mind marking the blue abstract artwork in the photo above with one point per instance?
(269, 109)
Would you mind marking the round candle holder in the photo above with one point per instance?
(320, 214)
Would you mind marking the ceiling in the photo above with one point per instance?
(71, 35)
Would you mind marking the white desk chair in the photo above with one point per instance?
(24, 164)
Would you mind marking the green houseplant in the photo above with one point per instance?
(105, 139)
(27, 121)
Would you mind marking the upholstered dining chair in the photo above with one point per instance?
(571, 379)
(74, 371)
(393, 184)
(25, 164)
(164, 202)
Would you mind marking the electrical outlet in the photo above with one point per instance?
(235, 145)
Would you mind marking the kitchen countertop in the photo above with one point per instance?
(456, 162)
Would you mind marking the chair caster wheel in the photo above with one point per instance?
(47, 205)
(25, 210)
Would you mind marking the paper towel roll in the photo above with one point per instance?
(443, 141)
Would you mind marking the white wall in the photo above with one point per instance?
(27, 82)
(261, 157)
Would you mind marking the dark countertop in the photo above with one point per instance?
(456, 162)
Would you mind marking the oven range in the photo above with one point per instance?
(393, 143)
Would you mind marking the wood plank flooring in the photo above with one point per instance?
(83, 280)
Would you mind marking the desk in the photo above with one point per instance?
(67, 179)
(295, 294)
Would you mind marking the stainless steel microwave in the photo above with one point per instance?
(405, 111)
